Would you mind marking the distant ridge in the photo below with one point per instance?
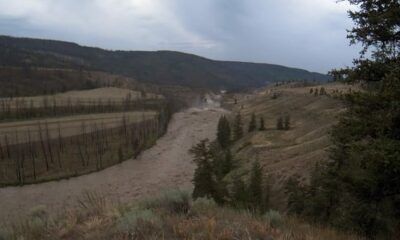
(159, 67)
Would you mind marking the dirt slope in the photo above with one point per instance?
(167, 165)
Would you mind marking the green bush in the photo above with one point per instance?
(203, 204)
(92, 203)
(128, 223)
(34, 227)
(274, 219)
(38, 212)
(173, 202)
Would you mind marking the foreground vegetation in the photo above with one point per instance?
(358, 189)
(173, 216)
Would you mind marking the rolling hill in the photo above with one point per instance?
(292, 152)
(160, 67)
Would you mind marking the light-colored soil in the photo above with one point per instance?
(69, 126)
(165, 166)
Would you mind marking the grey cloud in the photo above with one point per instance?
(301, 33)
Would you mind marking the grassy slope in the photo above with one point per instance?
(284, 153)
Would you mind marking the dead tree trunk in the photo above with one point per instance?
(48, 142)
(32, 154)
(60, 145)
(43, 147)
(17, 159)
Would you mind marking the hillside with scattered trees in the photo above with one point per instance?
(161, 67)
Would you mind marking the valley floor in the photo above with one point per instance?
(163, 167)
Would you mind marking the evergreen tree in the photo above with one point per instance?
(262, 124)
(238, 127)
(239, 194)
(358, 188)
(228, 163)
(256, 186)
(224, 132)
(222, 163)
(204, 182)
(210, 170)
(296, 195)
(252, 124)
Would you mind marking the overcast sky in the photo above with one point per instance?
(309, 34)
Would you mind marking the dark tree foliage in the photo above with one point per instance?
(204, 181)
(227, 165)
(213, 165)
(240, 196)
(377, 25)
(296, 195)
(256, 186)
(222, 162)
(359, 188)
(224, 132)
(253, 196)
(238, 127)
(253, 123)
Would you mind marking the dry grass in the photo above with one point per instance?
(296, 151)
(98, 218)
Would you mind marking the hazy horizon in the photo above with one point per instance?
(304, 34)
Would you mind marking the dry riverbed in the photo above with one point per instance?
(166, 166)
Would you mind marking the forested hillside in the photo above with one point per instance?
(161, 67)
